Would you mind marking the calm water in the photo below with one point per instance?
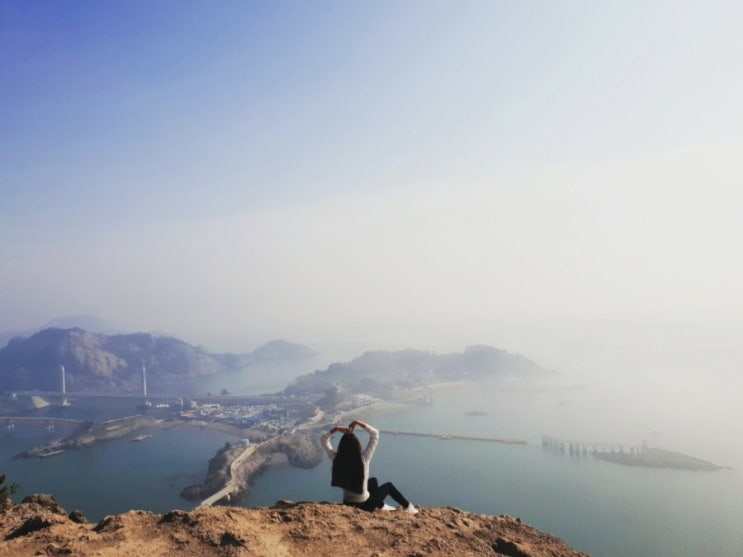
(116, 476)
(600, 508)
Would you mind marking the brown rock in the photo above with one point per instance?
(38, 526)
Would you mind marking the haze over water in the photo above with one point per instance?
(598, 507)
(557, 179)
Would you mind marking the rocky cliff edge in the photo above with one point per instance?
(39, 526)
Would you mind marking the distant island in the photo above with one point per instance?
(96, 362)
(658, 458)
(100, 363)
(390, 375)
(641, 456)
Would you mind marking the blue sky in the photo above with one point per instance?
(427, 174)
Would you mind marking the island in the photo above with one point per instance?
(658, 458)
(641, 455)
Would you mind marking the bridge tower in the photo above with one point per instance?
(145, 403)
(65, 402)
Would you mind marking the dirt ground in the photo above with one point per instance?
(39, 526)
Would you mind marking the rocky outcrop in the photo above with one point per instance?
(302, 452)
(218, 473)
(39, 526)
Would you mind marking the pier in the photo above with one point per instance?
(588, 448)
(447, 436)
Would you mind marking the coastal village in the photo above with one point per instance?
(263, 426)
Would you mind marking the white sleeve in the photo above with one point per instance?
(325, 440)
(371, 445)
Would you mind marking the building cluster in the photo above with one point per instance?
(363, 399)
(270, 418)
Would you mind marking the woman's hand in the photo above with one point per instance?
(342, 428)
(355, 423)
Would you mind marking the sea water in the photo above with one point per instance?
(598, 507)
(116, 476)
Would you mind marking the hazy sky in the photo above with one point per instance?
(532, 175)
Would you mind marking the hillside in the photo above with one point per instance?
(112, 363)
(381, 372)
(91, 323)
(39, 526)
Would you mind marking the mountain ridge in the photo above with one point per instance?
(381, 372)
(113, 363)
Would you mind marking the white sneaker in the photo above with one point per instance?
(410, 509)
(387, 507)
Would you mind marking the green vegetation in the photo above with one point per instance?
(6, 490)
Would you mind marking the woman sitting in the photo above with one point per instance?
(351, 471)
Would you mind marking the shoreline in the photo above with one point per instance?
(211, 426)
(261, 461)
(381, 406)
(341, 418)
(88, 434)
(240, 466)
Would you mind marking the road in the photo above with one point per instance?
(232, 482)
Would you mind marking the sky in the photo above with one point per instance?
(559, 179)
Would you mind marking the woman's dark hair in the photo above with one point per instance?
(348, 469)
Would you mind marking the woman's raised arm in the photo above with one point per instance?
(355, 423)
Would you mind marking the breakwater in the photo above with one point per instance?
(89, 433)
(447, 436)
(9, 420)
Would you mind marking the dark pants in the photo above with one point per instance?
(377, 495)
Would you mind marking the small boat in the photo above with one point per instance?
(141, 437)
